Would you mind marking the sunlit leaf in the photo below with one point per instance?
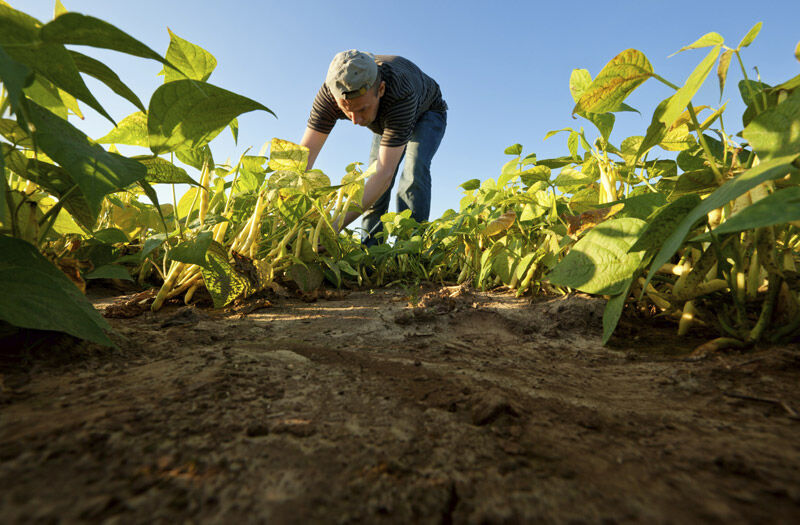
(615, 82)
(132, 131)
(191, 60)
(579, 80)
(707, 40)
(750, 36)
(59, 9)
(671, 108)
(47, 96)
(13, 133)
(286, 155)
(678, 139)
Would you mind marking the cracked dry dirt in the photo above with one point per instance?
(475, 408)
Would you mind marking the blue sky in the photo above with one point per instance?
(503, 67)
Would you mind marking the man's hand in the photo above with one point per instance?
(378, 183)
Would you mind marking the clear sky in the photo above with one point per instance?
(503, 67)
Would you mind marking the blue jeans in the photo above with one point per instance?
(414, 189)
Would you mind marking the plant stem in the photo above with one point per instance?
(706, 150)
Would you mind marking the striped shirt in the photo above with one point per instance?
(409, 93)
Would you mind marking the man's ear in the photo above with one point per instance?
(382, 89)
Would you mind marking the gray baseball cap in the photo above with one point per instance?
(351, 74)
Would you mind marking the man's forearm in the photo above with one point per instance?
(375, 186)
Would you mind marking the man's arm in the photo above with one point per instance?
(378, 182)
(313, 140)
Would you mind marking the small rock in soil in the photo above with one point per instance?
(490, 407)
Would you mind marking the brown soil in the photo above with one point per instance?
(465, 408)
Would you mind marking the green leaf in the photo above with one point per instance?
(234, 127)
(96, 171)
(103, 73)
(471, 185)
(55, 180)
(189, 114)
(600, 263)
(110, 271)
(776, 132)
(722, 69)
(707, 40)
(615, 82)
(222, 281)
(83, 30)
(663, 222)
(630, 148)
(640, 206)
(750, 36)
(193, 251)
(603, 121)
(15, 77)
(572, 144)
(21, 37)
(779, 208)
(39, 296)
(308, 277)
(534, 174)
(191, 61)
(671, 108)
(767, 170)
(132, 131)
(13, 133)
(111, 236)
(558, 162)
(515, 149)
(613, 312)
(196, 157)
(792, 83)
(697, 182)
(162, 171)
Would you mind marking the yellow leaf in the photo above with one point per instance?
(501, 223)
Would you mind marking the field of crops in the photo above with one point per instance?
(677, 247)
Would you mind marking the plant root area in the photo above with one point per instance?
(438, 405)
